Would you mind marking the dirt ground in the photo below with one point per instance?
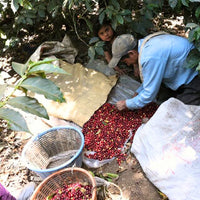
(14, 175)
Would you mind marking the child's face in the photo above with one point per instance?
(106, 33)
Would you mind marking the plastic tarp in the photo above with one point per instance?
(63, 50)
(85, 90)
(168, 149)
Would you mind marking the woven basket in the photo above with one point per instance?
(65, 176)
(53, 150)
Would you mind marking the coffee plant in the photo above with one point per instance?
(32, 79)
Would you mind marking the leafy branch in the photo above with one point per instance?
(33, 78)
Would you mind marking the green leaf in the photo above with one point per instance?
(50, 196)
(42, 6)
(125, 12)
(29, 21)
(41, 13)
(30, 105)
(194, 0)
(197, 45)
(152, 6)
(31, 14)
(2, 90)
(173, 3)
(185, 2)
(99, 50)
(194, 34)
(114, 23)
(15, 5)
(46, 60)
(51, 6)
(87, 3)
(142, 26)
(192, 59)
(101, 17)
(15, 119)
(110, 7)
(115, 4)
(19, 68)
(120, 19)
(47, 68)
(109, 13)
(94, 40)
(128, 19)
(191, 36)
(198, 67)
(89, 24)
(91, 52)
(26, 4)
(100, 44)
(149, 14)
(191, 25)
(100, 10)
(43, 86)
(111, 175)
(197, 12)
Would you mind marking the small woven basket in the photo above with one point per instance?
(53, 150)
(64, 177)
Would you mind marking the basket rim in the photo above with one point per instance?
(94, 188)
(60, 166)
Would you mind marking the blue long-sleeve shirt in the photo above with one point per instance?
(162, 61)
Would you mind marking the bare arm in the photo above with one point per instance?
(108, 58)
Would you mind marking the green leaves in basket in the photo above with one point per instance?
(50, 196)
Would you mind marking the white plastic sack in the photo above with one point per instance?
(168, 149)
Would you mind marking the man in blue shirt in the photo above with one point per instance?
(161, 58)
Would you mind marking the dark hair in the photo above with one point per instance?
(127, 55)
(97, 26)
(136, 46)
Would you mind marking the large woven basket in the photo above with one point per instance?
(64, 177)
(53, 150)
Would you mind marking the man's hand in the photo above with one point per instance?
(121, 105)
